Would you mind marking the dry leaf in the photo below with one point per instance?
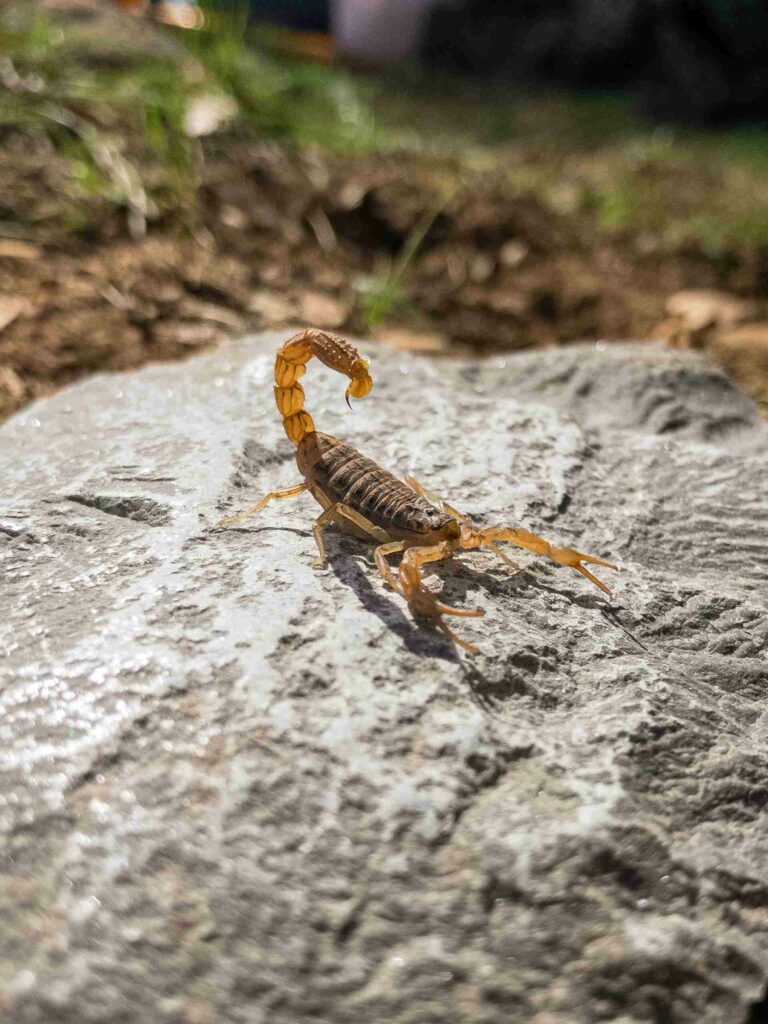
(743, 354)
(10, 307)
(695, 312)
(195, 309)
(703, 307)
(14, 249)
(187, 334)
(321, 310)
(412, 341)
(513, 253)
(206, 114)
(11, 383)
(274, 307)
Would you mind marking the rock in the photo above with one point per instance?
(239, 790)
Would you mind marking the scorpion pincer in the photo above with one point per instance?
(363, 499)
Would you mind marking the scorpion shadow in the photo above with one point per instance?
(351, 563)
(351, 567)
(420, 636)
(348, 559)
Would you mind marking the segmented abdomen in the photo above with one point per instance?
(346, 476)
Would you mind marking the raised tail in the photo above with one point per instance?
(291, 364)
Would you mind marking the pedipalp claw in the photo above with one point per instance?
(423, 602)
(573, 559)
(598, 561)
(593, 579)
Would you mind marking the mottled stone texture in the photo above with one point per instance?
(236, 790)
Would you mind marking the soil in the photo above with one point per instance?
(278, 238)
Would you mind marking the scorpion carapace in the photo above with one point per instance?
(363, 499)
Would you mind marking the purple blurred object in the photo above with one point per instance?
(382, 30)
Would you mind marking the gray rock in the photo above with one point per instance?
(239, 790)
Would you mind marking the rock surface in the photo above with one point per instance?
(235, 789)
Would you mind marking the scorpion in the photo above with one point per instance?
(363, 499)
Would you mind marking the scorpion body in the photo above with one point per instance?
(348, 478)
(369, 502)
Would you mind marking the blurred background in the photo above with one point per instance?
(445, 176)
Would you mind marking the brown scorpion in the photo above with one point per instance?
(365, 500)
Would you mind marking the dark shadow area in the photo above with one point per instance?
(139, 509)
(350, 562)
(758, 1012)
(351, 567)
(612, 615)
(420, 636)
(690, 60)
(491, 682)
(262, 529)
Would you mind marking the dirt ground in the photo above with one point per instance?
(405, 247)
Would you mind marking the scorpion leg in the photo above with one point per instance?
(451, 511)
(421, 600)
(503, 556)
(339, 510)
(529, 541)
(381, 553)
(289, 492)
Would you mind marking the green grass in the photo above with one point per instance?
(383, 295)
(116, 113)
(114, 117)
(598, 155)
(280, 98)
(116, 110)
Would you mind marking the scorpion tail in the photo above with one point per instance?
(291, 364)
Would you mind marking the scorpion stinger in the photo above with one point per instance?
(291, 363)
(365, 500)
